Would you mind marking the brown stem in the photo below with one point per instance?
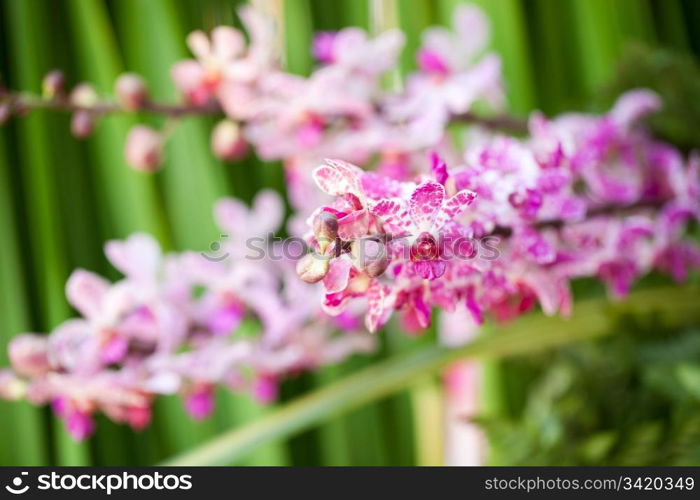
(22, 103)
(503, 122)
(609, 209)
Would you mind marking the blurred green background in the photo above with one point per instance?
(61, 199)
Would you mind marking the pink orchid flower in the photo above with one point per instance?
(343, 180)
(199, 79)
(422, 221)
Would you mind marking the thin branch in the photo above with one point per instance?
(608, 209)
(503, 122)
(23, 103)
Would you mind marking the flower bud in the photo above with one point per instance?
(53, 85)
(323, 47)
(370, 255)
(312, 267)
(138, 417)
(227, 141)
(82, 124)
(266, 388)
(29, 355)
(144, 149)
(131, 91)
(200, 402)
(84, 96)
(325, 226)
(11, 387)
(5, 112)
(79, 425)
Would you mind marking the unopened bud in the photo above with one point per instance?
(144, 148)
(84, 96)
(227, 141)
(266, 388)
(325, 229)
(370, 255)
(11, 387)
(28, 354)
(312, 267)
(53, 85)
(376, 267)
(5, 112)
(200, 402)
(131, 91)
(82, 123)
(138, 417)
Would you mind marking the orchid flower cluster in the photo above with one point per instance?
(340, 110)
(467, 221)
(179, 324)
(509, 224)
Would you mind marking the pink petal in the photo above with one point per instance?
(198, 43)
(28, 354)
(231, 215)
(330, 181)
(238, 101)
(457, 328)
(268, 211)
(473, 307)
(188, 76)
(426, 202)
(421, 310)
(86, 292)
(137, 257)
(260, 28)
(338, 275)
(439, 168)
(226, 319)
(430, 269)
(431, 62)
(472, 28)
(455, 206)
(393, 215)
(377, 186)
(335, 303)
(346, 176)
(633, 105)
(553, 294)
(375, 305)
(228, 42)
(353, 225)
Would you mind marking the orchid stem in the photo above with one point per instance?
(21, 103)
